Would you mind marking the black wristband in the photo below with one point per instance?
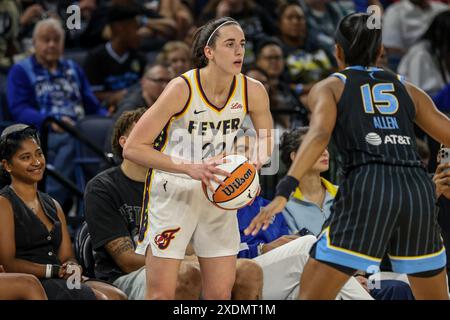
(55, 271)
(286, 186)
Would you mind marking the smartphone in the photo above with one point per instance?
(444, 154)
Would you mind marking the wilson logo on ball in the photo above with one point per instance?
(239, 189)
(239, 180)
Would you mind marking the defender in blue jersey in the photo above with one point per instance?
(385, 204)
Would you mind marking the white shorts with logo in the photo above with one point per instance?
(176, 211)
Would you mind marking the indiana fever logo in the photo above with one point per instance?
(163, 239)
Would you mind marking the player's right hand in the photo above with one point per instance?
(206, 172)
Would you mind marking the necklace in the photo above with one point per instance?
(33, 205)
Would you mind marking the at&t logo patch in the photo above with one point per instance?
(373, 139)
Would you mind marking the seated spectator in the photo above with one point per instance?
(255, 22)
(156, 24)
(79, 37)
(152, 84)
(34, 11)
(322, 19)
(114, 67)
(113, 201)
(427, 63)
(34, 238)
(19, 286)
(404, 22)
(305, 61)
(9, 30)
(45, 85)
(175, 10)
(176, 55)
(96, 30)
(154, 29)
(309, 208)
(442, 181)
(270, 58)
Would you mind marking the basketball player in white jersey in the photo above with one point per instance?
(180, 138)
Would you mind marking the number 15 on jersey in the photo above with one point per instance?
(380, 97)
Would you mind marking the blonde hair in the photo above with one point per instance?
(169, 47)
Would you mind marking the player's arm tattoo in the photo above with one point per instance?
(119, 246)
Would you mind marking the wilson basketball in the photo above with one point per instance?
(241, 187)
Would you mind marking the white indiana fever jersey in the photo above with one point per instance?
(202, 130)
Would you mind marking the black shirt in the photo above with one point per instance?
(375, 120)
(112, 209)
(108, 72)
(33, 240)
(134, 100)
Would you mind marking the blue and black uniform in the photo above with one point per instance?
(386, 202)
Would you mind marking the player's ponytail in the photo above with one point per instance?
(360, 43)
(207, 35)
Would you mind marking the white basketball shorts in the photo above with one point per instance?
(176, 211)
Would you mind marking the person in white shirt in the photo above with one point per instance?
(427, 63)
(405, 21)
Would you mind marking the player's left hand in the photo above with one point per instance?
(265, 216)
